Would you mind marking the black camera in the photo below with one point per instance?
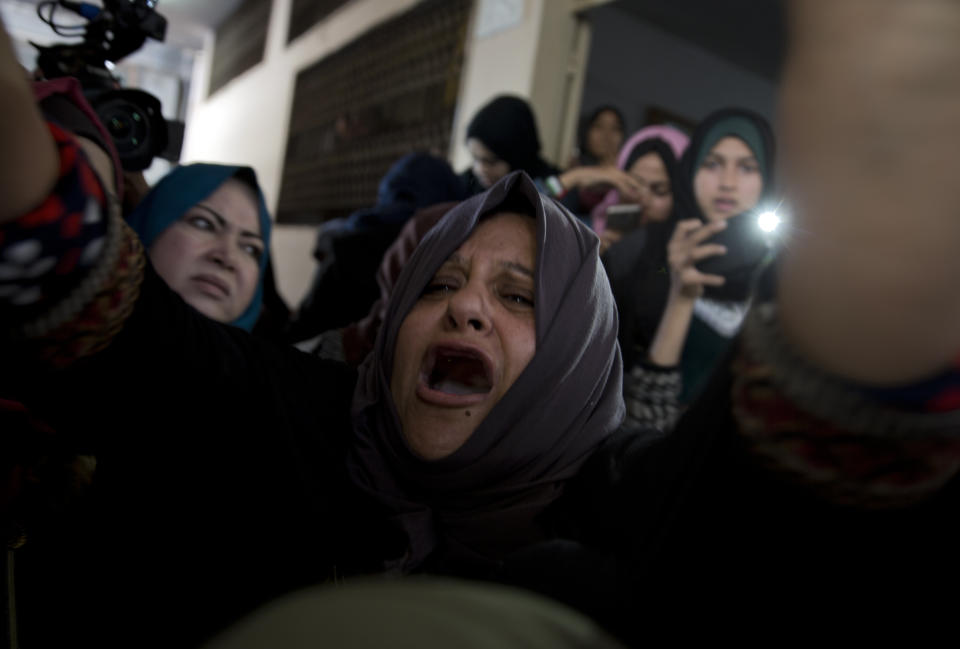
(113, 31)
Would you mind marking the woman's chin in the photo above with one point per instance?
(214, 310)
(435, 433)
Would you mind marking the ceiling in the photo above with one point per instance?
(748, 33)
(189, 27)
(187, 20)
(208, 13)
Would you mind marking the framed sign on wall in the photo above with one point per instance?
(241, 41)
(390, 92)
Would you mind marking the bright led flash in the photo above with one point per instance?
(768, 221)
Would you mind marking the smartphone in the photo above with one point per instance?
(746, 247)
(624, 218)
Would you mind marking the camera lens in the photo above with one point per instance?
(119, 127)
(135, 124)
(130, 129)
(126, 124)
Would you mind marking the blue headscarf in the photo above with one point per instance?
(183, 188)
(414, 181)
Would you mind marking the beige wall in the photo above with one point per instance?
(501, 63)
(544, 59)
(246, 121)
(556, 84)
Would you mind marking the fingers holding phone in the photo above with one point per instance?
(689, 245)
(621, 221)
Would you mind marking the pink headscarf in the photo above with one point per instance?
(677, 140)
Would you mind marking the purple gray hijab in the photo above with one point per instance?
(480, 502)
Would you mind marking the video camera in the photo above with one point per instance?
(118, 28)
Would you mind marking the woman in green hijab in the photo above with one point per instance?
(693, 282)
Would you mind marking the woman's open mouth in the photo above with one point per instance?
(725, 205)
(455, 376)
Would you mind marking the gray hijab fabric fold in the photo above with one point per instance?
(480, 503)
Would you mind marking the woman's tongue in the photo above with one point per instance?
(459, 375)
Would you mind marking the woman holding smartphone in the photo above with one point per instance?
(683, 318)
(650, 158)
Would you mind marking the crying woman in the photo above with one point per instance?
(495, 375)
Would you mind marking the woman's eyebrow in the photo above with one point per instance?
(456, 260)
(222, 222)
(248, 233)
(520, 268)
(722, 158)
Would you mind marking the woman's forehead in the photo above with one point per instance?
(507, 227)
(608, 116)
(732, 145)
(236, 203)
(649, 163)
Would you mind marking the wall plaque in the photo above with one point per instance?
(390, 92)
(241, 41)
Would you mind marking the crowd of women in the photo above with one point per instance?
(588, 399)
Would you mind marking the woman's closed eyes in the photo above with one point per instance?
(510, 286)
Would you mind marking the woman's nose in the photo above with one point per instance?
(468, 309)
(221, 253)
(728, 178)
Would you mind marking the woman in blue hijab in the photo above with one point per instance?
(207, 231)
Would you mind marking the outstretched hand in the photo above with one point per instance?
(685, 249)
(606, 176)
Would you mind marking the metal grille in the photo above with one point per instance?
(241, 41)
(390, 92)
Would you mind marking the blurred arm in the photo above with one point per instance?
(28, 157)
(871, 137)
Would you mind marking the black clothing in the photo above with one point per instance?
(275, 314)
(219, 484)
(640, 280)
(345, 283)
(695, 522)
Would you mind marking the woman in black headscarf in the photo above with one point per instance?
(600, 136)
(503, 137)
